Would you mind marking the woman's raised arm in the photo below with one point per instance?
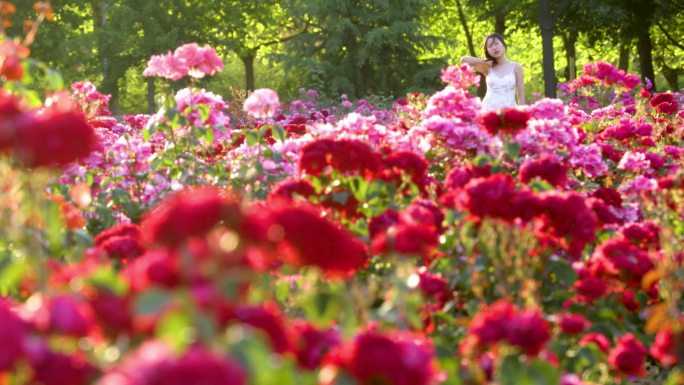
(480, 65)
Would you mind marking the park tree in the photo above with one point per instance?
(246, 28)
(363, 47)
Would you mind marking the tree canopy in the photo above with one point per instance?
(374, 47)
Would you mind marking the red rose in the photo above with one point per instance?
(12, 335)
(489, 197)
(268, 319)
(50, 368)
(344, 155)
(199, 366)
(312, 344)
(573, 323)
(288, 188)
(53, 138)
(310, 240)
(665, 346)
(529, 331)
(490, 325)
(397, 359)
(489, 121)
(546, 167)
(67, 315)
(590, 288)
(189, 213)
(628, 356)
(596, 338)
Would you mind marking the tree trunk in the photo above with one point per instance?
(466, 30)
(571, 54)
(248, 62)
(151, 105)
(500, 23)
(645, 49)
(672, 77)
(482, 89)
(625, 46)
(112, 88)
(546, 22)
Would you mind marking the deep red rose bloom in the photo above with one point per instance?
(546, 167)
(489, 197)
(66, 314)
(528, 330)
(270, 320)
(602, 211)
(628, 356)
(397, 359)
(12, 334)
(50, 368)
(344, 155)
(189, 213)
(123, 247)
(664, 348)
(434, 286)
(596, 338)
(664, 97)
(623, 258)
(490, 325)
(515, 118)
(312, 344)
(131, 230)
(112, 311)
(10, 110)
(460, 176)
(53, 138)
(414, 239)
(568, 219)
(408, 163)
(199, 366)
(489, 121)
(381, 223)
(642, 234)
(609, 195)
(310, 240)
(629, 300)
(573, 323)
(590, 288)
(288, 188)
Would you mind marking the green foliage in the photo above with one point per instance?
(376, 47)
(362, 48)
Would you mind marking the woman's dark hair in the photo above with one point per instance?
(496, 36)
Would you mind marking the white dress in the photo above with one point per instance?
(500, 90)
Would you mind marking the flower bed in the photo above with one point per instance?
(255, 241)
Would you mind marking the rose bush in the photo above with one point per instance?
(259, 242)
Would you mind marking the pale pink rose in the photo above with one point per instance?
(262, 103)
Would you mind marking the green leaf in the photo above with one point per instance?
(109, 278)
(54, 79)
(543, 373)
(252, 137)
(175, 328)
(204, 112)
(279, 133)
(563, 271)
(512, 371)
(209, 135)
(151, 301)
(512, 149)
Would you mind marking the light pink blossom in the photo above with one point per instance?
(262, 103)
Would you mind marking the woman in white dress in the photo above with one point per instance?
(505, 80)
